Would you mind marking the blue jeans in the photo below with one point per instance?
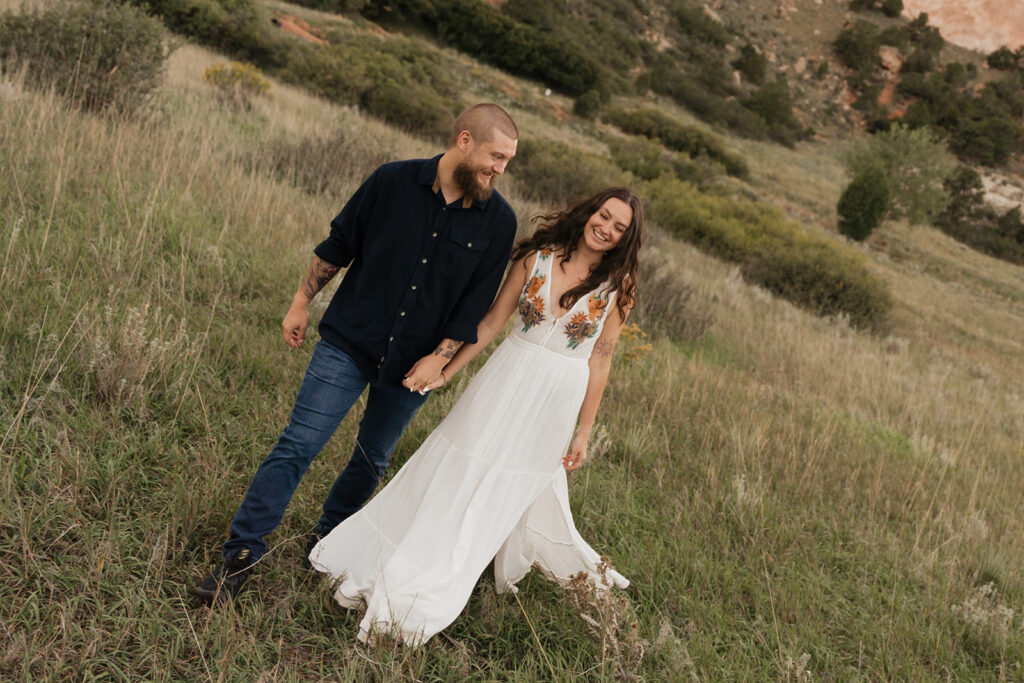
(331, 385)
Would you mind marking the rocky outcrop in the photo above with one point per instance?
(982, 25)
(297, 27)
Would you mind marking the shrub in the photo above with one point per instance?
(655, 125)
(894, 36)
(892, 8)
(809, 269)
(478, 29)
(751, 63)
(919, 61)
(857, 47)
(915, 164)
(103, 56)
(965, 194)
(694, 22)
(648, 159)
(774, 104)
(863, 204)
(240, 28)
(587, 105)
(237, 83)
(551, 171)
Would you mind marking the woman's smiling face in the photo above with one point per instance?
(605, 228)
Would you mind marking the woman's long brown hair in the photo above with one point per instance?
(562, 231)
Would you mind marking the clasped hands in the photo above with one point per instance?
(426, 375)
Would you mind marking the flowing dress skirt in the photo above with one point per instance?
(487, 483)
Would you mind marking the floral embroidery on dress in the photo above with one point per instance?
(583, 326)
(531, 305)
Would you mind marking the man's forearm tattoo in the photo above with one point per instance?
(604, 348)
(319, 274)
(447, 348)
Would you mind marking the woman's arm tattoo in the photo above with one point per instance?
(447, 348)
(319, 274)
(604, 348)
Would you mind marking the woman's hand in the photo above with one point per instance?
(424, 373)
(438, 382)
(577, 453)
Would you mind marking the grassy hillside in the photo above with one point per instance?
(790, 496)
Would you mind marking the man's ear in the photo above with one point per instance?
(464, 142)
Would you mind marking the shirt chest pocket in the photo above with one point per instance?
(462, 252)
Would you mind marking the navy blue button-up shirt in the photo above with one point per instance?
(419, 270)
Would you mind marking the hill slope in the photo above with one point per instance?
(789, 495)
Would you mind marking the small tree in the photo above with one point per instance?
(892, 8)
(964, 190)
(915, 164)
(864, 203)
(1003, 58)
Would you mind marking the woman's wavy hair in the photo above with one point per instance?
(563, 230)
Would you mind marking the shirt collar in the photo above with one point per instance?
(428, 176)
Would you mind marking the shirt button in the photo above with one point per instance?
(434, 235)
(414, 286)
(401, 313)
(391, 339)
(423, 261)
(469, 244)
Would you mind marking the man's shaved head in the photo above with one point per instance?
(481, 120)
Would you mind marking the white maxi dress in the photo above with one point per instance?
(487, 483)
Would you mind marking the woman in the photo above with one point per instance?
(489, 481)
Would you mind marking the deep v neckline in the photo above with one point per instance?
(552, 301)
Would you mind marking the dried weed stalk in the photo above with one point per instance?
(610, 621)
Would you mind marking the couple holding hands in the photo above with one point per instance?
(426, 243)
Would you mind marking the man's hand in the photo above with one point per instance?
(426, 371)
(577, 454)
(296, 320)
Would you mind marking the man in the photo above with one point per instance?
(426, 243)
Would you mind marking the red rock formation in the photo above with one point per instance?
(295, 26)
(982, 25)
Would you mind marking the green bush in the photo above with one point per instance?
(915, 163)
(655, 125)
(892, 8)
(397, 80)
(894, 36)
(479, 30)
(808, 269)
(863, 204)
(751, 63)
(648, 159)
(965, 194)
(237, 83)
(691, 20)
(103, 56)
(857, 47)
(587, 105)
(773, 103)
(555, 172)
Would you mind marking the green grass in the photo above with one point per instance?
(786, 494)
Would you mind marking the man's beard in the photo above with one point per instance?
(466, 178)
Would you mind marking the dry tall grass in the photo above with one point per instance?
(789, 497)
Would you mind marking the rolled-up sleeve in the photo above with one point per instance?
(483, 285)
(348, 227)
